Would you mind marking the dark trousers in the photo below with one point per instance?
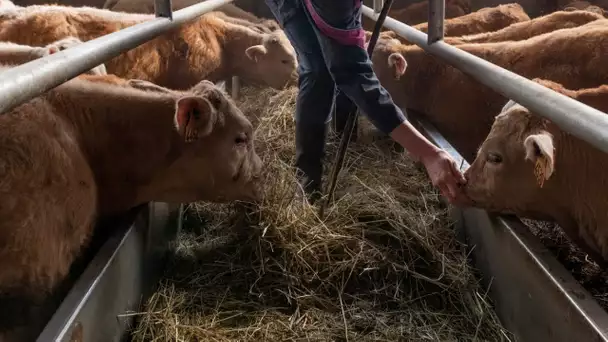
(315, 101)
(330, 45)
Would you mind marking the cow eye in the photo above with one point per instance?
(241, 139)
(285, 61)
(494, 158)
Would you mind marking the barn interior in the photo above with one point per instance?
(388, 262)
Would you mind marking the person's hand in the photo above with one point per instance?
(445, 175)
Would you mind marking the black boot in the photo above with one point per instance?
(342, 108)
(310, 143)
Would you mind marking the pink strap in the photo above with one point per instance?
(345, 37)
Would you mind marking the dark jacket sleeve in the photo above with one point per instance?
(359, 82)
(349, 63)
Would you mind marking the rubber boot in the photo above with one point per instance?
(310, 143)
(342, 108)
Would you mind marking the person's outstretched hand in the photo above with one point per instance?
(445, 175)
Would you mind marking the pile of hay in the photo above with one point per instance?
(384, 265)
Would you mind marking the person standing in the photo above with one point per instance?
(330, 46)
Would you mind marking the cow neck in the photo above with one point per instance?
(418, 79)
(127, 136)
(578, 173)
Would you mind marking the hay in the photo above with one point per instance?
(383, 266)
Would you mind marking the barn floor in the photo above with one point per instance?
(384, 265)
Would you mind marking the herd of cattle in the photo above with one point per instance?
(152, 124)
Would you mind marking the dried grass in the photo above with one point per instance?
(383, 266)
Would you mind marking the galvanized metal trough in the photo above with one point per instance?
(536, 298)
(118, 280)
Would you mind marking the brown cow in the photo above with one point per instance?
(207, 48)
(528, 166)
(141, 6)
(260, 25)
(419, 12)
(86, 149)
(458, 105)
(484, 20)
(535, 27)
(15, 54)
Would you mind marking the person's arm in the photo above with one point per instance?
(341, 38)
(355, 77)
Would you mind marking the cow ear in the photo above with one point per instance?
(540, 150)
(99, 70)
(147, 86)
(255, 52)
(398, 63)
(221, 85)
(195, 118)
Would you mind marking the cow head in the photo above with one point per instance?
(514, 163)
(217, 161)
(389, 64)
(273, 62)
(271, 25)
(69, 42)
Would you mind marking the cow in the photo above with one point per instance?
(418, 12)
(207, 48)
(91, 149)
(141, 6)
(484, 20)
(529, 167)
(16, 54)
(535, 27)
(260, 25)
(458, 105)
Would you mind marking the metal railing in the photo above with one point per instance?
(26, 81)
(580, 120)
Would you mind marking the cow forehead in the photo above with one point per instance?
(284, 43)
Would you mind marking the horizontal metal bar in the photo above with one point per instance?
(162, 9)
(24, 82)
(436, 17)
(582, 121)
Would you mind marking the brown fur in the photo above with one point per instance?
(531, 28)
(593, 9)
(208, 48)
(574, 195)
(230, 10)
(460, 107)
(484, 20)
(85, 149)
(260, 26)
(418, 12)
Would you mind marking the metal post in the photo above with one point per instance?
(436, 18)
(163, 9)
(24, 82)
(236, 87)
(582, 121)
(378, 5)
